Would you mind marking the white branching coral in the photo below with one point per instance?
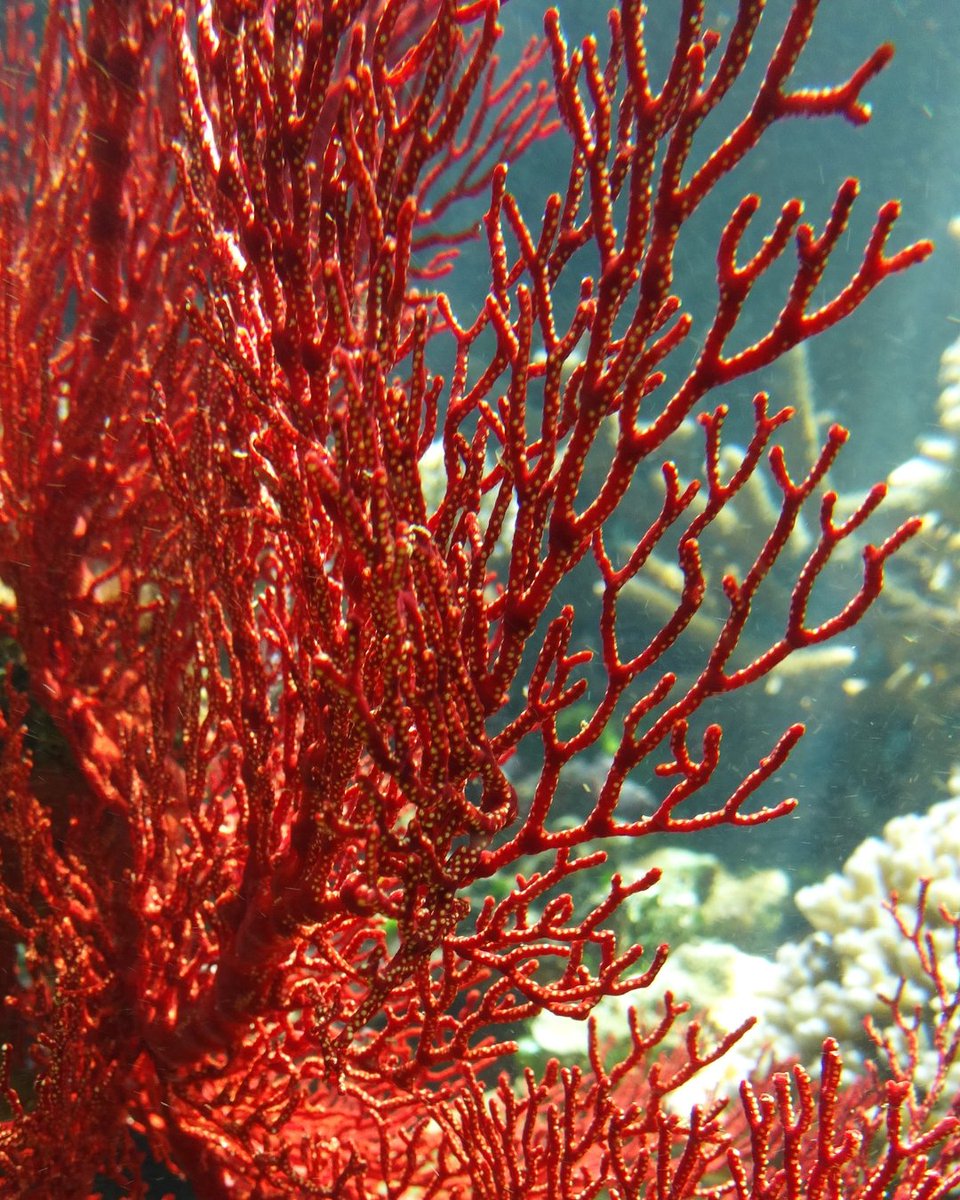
(830, 982)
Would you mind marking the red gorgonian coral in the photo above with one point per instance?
(283, 592)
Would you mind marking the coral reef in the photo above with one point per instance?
(839, 976)
(293, 555)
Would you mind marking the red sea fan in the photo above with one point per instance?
(283, 592)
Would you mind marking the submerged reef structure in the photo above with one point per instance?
(837, 977)
(922, 683)
(293, 552)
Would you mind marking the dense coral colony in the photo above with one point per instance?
(286, 540)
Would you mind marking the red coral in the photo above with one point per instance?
(256, 785)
